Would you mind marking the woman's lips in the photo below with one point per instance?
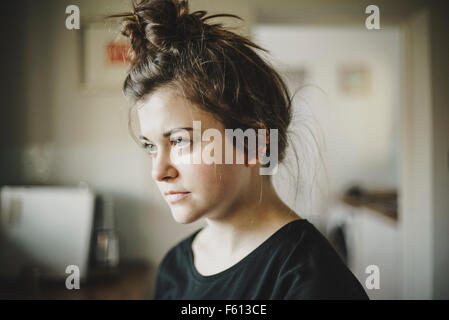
(173, 197)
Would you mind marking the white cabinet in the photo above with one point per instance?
(375, 239)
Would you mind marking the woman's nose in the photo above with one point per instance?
(163, 169)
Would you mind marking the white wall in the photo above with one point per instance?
(360, 132)
(425, 166)
(416, 191)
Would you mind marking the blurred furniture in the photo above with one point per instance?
(376, 239)
(131, 281)
(384, 202)
(44, 229)
(364, 228)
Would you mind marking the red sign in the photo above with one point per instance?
(118, 53)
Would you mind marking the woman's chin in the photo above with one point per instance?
(183, 215)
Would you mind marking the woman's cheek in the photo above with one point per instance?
(213, 178)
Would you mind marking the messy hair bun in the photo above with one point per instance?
(218, 70)
(161, 25)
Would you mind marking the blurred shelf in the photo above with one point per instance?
(384, 202)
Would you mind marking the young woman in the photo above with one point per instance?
(183, 69)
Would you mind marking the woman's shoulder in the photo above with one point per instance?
(312, 268)
(298, 235)
(304, 248)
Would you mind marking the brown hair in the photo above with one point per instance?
(216, 69)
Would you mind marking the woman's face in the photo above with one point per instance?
(211, 188)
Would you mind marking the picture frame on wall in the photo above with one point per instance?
(105, 57)
(354, 79)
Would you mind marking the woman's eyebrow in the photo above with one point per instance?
(168, 133)
(143, 138)
(171, 131)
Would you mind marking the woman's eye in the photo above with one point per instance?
(150, 147)
(180, 141)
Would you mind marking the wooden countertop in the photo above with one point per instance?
(131, 281)
(382, 202)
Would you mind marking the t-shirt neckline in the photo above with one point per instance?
(198, 276)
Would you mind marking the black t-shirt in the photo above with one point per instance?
(296, 262)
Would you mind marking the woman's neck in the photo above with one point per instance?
(252, 219)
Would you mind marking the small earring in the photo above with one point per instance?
(261, 190)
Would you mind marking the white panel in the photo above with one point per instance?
(49, 227)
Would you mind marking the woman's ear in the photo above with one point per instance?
(261, 151)
(261, 146)
(251, 162)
